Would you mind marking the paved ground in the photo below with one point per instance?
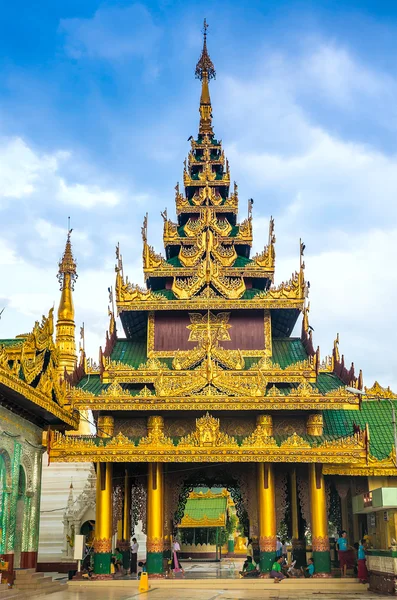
(166, 594)
(225, 570)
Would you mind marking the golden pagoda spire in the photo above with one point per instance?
(205, 71)
(65, 327)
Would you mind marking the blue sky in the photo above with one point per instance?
(97, 100)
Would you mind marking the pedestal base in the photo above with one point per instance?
(102, 562)
(322, 562)
(266, 561)
(154, 563)
(28, 560)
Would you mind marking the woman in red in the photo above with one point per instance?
(362, 565)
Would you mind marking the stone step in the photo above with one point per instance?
(7, 593)
(24, 571)
(51, 589)
(28, 576)
(33, 584)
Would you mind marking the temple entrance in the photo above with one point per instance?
(210, 523)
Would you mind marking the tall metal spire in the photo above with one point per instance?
(65, 327)
(205, 71)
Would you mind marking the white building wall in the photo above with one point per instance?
(55, 487)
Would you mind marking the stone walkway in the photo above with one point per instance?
(226, 570)
(190, 594)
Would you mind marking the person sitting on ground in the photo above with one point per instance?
(118, 560)
(276, 573)
(249, 569)
(309, 571)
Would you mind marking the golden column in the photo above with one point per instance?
(267, 516)
(319, 524)
(125, 545)
(298, 538)
(65, 326)
(104, 505)
(155, 519)
(103, 519)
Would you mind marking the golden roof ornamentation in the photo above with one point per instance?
(67, 265)
(207, 434)
(377, 391)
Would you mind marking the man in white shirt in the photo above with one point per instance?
(134, 556)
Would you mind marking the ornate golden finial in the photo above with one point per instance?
(65, 327)
(67, 273)
(205, 71)
(205, 66)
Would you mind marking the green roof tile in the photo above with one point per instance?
(130, 352)
(212, 508)
(174, 261)
(241, 261)
(376, 414)
(287, 351)
(91, 383)
(326, 382)
(12, 342)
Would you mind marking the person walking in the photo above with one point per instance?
(134, 556)
(279, 548)
(362, 563)
(175, 564)
(342, 552)
(284, 551)
(250, 551)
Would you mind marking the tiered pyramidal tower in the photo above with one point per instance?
(208, 372)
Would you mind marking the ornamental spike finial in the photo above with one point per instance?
(65, 327)
(67, 273)
(205, 71)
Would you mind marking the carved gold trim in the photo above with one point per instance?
(267, 543)
(209, 443)
(155, 545)
(35, 396)
(102, 546)
(320, 544)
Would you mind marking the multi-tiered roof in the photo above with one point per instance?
(203, 290)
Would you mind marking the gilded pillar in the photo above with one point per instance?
(103, 519)
(267, 516)
(155, 519)
(298, 538)
(319, 524)
(126, 533)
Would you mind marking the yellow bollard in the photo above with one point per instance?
(143, 583)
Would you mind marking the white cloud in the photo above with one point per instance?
(112, 33)
(25, 172)
(336, 192)
(86, 196)
(21, 168)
